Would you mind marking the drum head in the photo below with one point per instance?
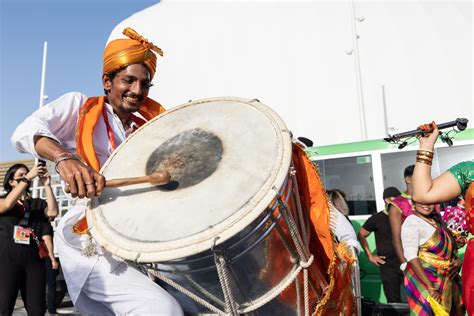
(226, 157)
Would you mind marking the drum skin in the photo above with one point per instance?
(225, 156)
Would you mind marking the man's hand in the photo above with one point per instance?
(377, 260)
(54, 264)
(82, 180)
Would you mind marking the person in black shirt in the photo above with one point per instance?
(51, 265)
(20, 220)
(386, 258)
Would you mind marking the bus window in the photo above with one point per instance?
(449, 156)
(393, 166)
(353, 176)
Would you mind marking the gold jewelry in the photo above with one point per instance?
(424, 156)
(428, 153)
(428, 162)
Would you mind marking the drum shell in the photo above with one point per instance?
(258, 259)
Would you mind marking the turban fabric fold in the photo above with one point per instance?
(134, 50)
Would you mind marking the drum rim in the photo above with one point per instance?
(205, 240)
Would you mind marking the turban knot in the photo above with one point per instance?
(136, 49)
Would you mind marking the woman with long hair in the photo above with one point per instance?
(430, 250)
(21, 226)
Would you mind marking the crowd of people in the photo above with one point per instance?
(27, 262)
(419, 233)
(416, 250)
(415, 246)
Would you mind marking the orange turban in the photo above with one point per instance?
(124, 52)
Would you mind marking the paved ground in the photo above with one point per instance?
(66, 307)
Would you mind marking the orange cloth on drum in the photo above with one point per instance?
(313, 199)
(330, 273)
(124, 52)
(338, 297)
(334, 261)
(89, 115)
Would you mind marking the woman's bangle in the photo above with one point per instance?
(62, 157)
(425, 161)
(424, 157)
(425, 152)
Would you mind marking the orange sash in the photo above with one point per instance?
(89, 115)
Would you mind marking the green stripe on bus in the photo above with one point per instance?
(369, 145)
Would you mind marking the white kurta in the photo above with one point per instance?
(57, 120)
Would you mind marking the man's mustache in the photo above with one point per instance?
(133, 95)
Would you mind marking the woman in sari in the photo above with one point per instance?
(431, 276)
(458, 180)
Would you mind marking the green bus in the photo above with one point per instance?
(363, 169)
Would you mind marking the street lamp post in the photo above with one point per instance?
(360, 91)
(42, 97)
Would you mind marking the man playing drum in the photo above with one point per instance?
(79, 134)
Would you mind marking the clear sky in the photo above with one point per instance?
(76, 32)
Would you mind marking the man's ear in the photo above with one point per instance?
(408, 180)
(106, 82)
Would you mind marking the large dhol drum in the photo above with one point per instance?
(226, 234)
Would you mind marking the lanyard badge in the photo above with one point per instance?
(21, 235)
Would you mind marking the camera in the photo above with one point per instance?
(41, 162)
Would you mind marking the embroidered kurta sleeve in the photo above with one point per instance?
(56, 120)
(464, 174)
(410, 238)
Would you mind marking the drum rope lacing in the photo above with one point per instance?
(302, 248)
(223, 273)
(231, 306)
(185, 291)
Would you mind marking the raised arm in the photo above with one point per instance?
(51, 211)
(426, 190)
(10, 200)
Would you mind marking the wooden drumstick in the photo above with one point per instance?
(156, 178)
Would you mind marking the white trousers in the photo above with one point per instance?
(103, 284)
(123, 290)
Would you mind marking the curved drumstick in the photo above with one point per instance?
(156, 178)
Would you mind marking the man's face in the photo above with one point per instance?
(128, 88)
